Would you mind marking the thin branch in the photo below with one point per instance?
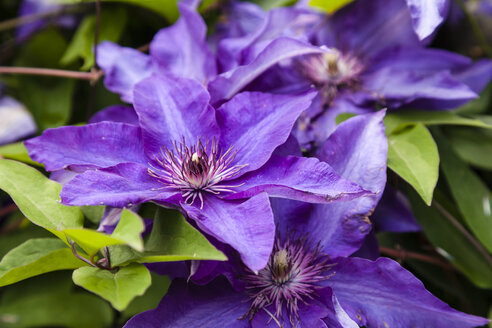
(90, 76)
(463, 231)
(26, 19)
(403, 254)
(81, 257)
(10, 227)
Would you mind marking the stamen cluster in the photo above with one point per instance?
(195, 170)
(292, 275)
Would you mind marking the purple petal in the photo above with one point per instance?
(95, 145)
(369, 249)
(352, 29)
(181, 49)
(16, 123)
(172, 109)
(256, 123)
(382, 293)
(123, 185)
(123, 68)
(297, 178)
(116, 113)
(393, 213)
(248, 226)
(225, 86)
(427, 15)
(477, 75)
(186, 306)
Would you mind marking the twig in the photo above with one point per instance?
(26, 19)
(463, 231)
(8, 209)
(10, 227)
(402, 254)
(90, 76)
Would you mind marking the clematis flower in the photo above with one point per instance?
(217, 166)
(309, 280)
(17, 122)
(375, 59)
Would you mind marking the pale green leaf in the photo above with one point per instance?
(119, 287)
(413, 155)
(35, 257)
(38, 198)
(128, 231)
(18, 152)
(329, 6)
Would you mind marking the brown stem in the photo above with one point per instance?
(403, 254)
(8, 209)
(26, 19)
(90, 76)
(81, 257)
(463, 231)
(10, 227)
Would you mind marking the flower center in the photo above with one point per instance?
(332, 71)
(195, 170)
(292, 275)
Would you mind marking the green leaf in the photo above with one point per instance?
(448, 235)
(38, 198)
(473, 145)
(49, 103)
(18, 152)
(93, 213)
(118, 288)
(35, 257)
(165, 8)
(173, 239)
(399, 120)
(51, 301)
(329, 6)
(128, 231)
(150, 299)
(413, 155)
(471, 195)
(270, 4)
(81, 46)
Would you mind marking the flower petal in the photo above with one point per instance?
(226, 85)
(299, 178)
(123, 185)
(181, 48)
(116, 113)
(382, 293)
(255, 123)
(185, 306)
(123, 68)
(172, 109)
(95, 145)
(247, 226)
(17, 122)
(427, 15)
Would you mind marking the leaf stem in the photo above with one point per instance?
(77, 255)
(90, 76)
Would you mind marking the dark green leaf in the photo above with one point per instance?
(413, 155)
(119, 288)
(81, 46)
(470, 194)
(473, 145)
(35, 257)
(446, 233)
(38, 198)
(93, 213)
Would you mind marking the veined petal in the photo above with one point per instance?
(382, 293)
(95, 146)
(226, 85)
(427, 15)
(116, 113)
(172, 109)
(246, 226)
(181, 48)
(123, 68)
(186, 305)
(255, 123)
(298, 178)
(123, 185)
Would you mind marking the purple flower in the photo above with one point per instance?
(17, 122)
(427, 16)
(368, 55)
(217, 166)
(309, 280)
